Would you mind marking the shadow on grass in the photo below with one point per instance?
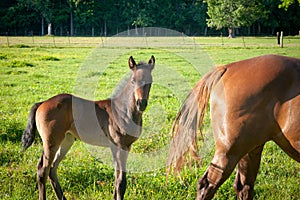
(89, 172)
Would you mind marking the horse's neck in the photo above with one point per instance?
(126, 116)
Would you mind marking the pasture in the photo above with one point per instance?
(36, 68)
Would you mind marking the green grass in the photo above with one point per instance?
(32, 71)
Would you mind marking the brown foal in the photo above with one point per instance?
(115, 123)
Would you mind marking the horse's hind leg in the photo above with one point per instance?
(246, 173)
(61, 153)
(40, 178)
(291, 145)
(43, 171)
(218, 171)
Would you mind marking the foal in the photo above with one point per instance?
(115, 123)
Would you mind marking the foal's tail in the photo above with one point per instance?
(190, 119)
(29, 133)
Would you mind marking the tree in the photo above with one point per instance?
(286, 3)
(233, 14)
(61, 19)
(43, 7)
(108, 17)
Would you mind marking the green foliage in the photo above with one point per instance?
(109, 17)
(233, 14)
(286, 3)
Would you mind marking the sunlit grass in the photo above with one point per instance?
(32, 72)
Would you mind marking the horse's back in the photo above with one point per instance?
(53, 117)
(271, 76)
(258, 73)
(56, 104)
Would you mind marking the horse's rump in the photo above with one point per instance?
(249, 95)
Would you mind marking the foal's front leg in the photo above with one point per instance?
(120, 157)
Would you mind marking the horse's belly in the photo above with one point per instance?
(95, 139)
(89, 122)
(90, 133)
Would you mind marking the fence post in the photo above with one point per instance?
(7, 39)
(68, 37)
(222, 39)
(32, 37)
(244, 42)
(54, 41)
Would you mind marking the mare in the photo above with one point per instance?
(252, 102)
(115, 123)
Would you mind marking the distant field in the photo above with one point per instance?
(35, 68)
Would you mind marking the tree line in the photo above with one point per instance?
(110, 17)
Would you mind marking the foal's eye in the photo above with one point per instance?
(133, 81)
(143, 83)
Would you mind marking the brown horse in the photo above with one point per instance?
(251, 102)
(115, 123)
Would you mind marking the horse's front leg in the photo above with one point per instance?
(120, 157)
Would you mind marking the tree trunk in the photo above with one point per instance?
(231, 33)
(205, 31)
(43, 28)
(71, 23)
(258, 29)
(61, 30)
(136, 31)
(105, 29)
(49, 29)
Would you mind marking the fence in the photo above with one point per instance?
(145, 41)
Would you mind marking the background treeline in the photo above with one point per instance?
(110, 17)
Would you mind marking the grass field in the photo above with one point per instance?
(34, 69)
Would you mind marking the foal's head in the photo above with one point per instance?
(141, 79)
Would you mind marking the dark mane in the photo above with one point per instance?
(142, 63)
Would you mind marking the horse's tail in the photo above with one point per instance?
(190, 119)
(29, 133)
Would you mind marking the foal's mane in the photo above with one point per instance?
(141, 63)
(121, 85)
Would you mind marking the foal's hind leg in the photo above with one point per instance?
(61, 153)
(246, 174)
(40, 178)
(43, 166)
(51, 143)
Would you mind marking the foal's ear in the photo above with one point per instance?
(131, 63)
(151, 61)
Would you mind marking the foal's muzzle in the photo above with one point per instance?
(141, 104)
